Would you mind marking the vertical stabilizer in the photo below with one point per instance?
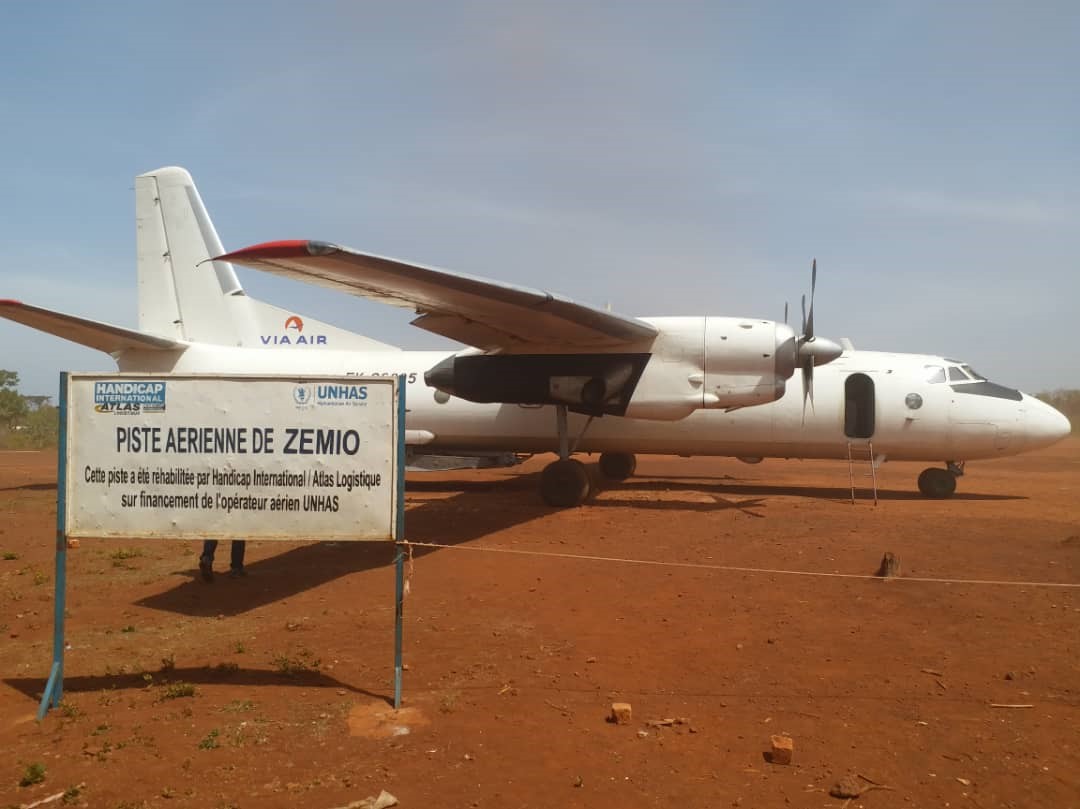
(183, 295)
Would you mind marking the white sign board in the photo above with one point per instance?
(243, 457)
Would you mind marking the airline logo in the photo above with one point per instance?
(292, 334)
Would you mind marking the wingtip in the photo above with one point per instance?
(10, 302)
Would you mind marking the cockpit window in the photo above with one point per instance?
(957, 375)
(973, 374)
(934, 374)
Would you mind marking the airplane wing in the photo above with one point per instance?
(92, 333)
(475, 311)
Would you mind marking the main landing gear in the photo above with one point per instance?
(565, 483)
(940, 484)
(617, 465)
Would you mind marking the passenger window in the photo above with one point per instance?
(935, 374)
(956, 375)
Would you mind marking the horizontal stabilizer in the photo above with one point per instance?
(91, 333)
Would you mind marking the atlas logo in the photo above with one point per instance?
(293, 335)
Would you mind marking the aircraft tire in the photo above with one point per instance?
(937, 484)
(617, 465)
(564, 484)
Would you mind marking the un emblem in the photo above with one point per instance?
(302, 395)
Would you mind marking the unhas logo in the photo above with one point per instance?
(292, 334)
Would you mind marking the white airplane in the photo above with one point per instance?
(547, 374)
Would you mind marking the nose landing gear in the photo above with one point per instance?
(940, 484)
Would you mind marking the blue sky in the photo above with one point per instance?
(666, 158)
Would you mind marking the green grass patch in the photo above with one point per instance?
(210, 741)
(177, 690)
(34, 774)
(291, 665)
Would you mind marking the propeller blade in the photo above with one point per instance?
(809, 330)
(785, 313)
(803, 316)
(807, 386)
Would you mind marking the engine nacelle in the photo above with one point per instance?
(693, 363)
(713, 362)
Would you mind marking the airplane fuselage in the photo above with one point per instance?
(889, 399)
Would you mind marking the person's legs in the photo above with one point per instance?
(236, 557)
(206, 560)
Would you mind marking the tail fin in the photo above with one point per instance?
(183, 295)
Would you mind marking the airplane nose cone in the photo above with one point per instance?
(1045, 425)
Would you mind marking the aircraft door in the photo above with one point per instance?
(859, 407)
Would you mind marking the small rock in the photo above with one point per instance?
(73, 543)
(783, 747)
(847, 787)
(384, 801)
(1009, 675)
(579, 782)
(643, 734)
(620, 713)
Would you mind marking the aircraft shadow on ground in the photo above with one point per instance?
(715, 488)
(472, 511)
(196, 675)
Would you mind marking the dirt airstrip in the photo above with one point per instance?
(271, 691)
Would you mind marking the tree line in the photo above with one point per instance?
(26, 422)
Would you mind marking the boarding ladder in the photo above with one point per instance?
(861, 453)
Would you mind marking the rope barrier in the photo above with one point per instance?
(737, 569)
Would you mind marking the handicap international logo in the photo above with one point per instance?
(129, 397)
(302, 395)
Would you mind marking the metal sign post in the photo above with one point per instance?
(399, 533)
(54, 688)
(161, 456)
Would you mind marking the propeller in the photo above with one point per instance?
(811, 350)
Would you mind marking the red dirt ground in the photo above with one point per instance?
(514, 660)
